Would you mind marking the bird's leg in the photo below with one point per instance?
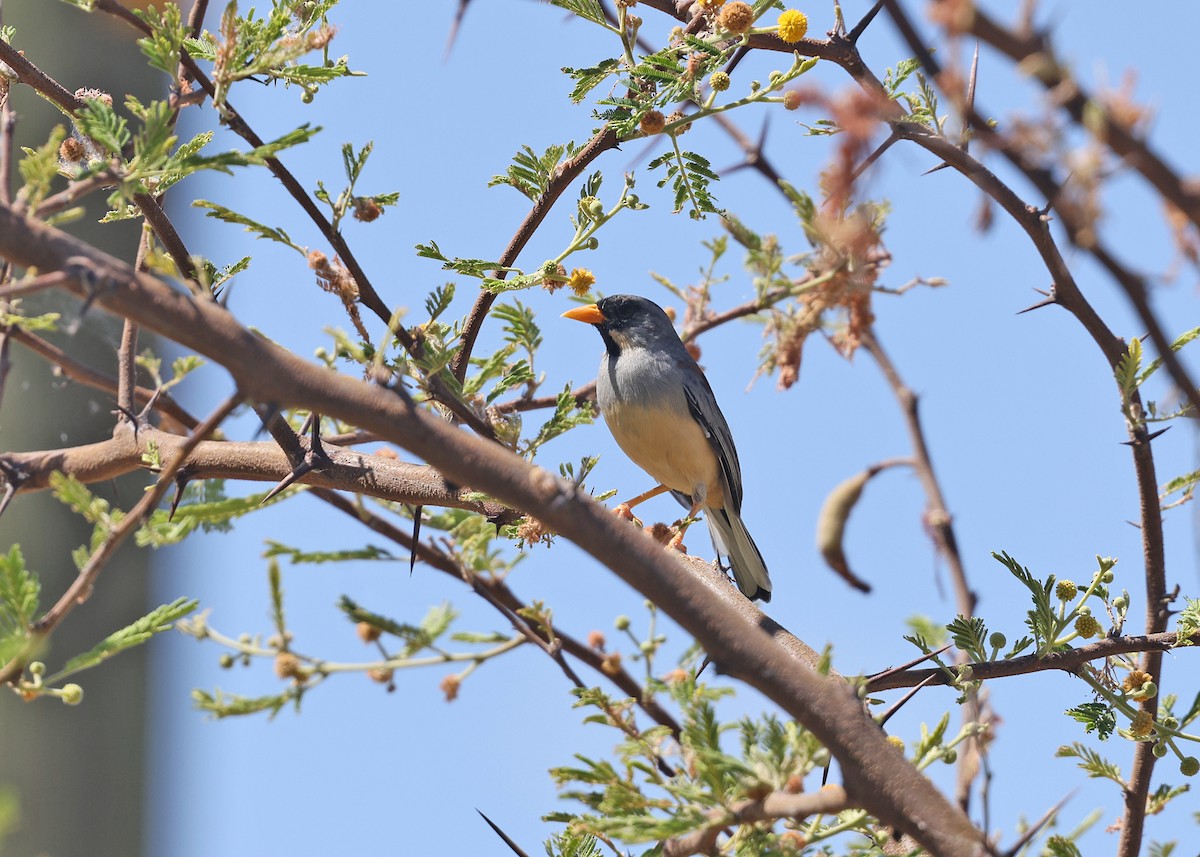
(625, 510)
(681, 527)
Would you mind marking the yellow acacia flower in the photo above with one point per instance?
(793, 24)
(581, 280)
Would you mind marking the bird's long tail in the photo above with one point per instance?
(731, 539)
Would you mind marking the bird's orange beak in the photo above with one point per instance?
(589, 314)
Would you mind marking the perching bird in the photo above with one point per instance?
(663, 414)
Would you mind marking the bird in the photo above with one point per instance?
(663, 414)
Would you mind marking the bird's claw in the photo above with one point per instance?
(623, 511)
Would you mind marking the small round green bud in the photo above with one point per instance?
(1120, 604)
(592, 243)
(72, 694)
(226, 661)
(307, 97)
(1107, 577)
(950, 757)
(632, 200)
(37, 668)
(719, 81)
(1149, 691)
(775, 76)
(1084, 610)
(623, 623)
(997, 640)
(1065, 590)
(1190, 766)
(1170, 722)
(244, 639)
(647, 647)
(591, 207)
(755, 86)
(1159, 750)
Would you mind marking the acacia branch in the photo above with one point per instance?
(248, 461)
(774, 807)
(566, 173)
(1067, 294)
(875, 776)
(1032, 50)
(1069, 661)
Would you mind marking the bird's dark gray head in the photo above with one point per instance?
(629, 321)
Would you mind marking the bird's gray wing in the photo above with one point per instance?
(703, 406)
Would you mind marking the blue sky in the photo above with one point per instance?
(1021, 416)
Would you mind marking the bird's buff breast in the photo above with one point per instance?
(668, 445)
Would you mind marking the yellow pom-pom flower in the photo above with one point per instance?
(581, 280)
(793, 24)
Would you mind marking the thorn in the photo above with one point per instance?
(305, 467)
(150, 403)
(904, 699)
(516, 849)
(1033, 831)
(903, 667)
(454, 27)
(738, 55)
(825, 775)
(416, 535)
(10, 491)
(182, 477)
(965, 142)
(876, 155)
(1051, 298)
(1143, 436)
(705, 663)
(862, 25)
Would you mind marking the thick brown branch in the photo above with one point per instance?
(262, 461)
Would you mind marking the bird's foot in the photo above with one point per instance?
(676, 540)
(625, 512)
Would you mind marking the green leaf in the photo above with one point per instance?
(1129, 367)
(531, 173)
(278, 616)
(1096, 717)
(223, 704)
(19, 592)
(99, 122)
(439, 300)
(297, 556)
(416, 638)
(1092, 762)
(227, 215)
(1187, 623)
(155, 622)
(587, 79)
(1181, 341)
(587, 9)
